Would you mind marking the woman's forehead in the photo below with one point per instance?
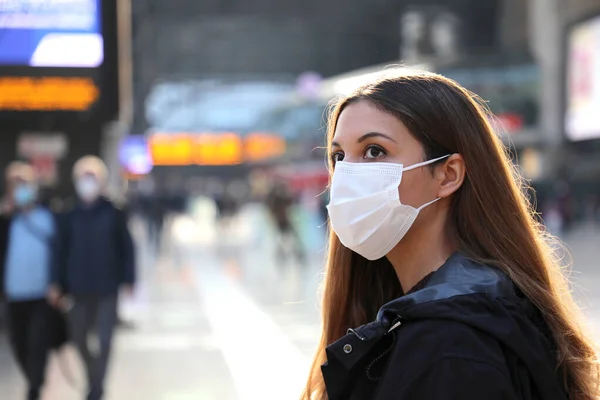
(360, 118)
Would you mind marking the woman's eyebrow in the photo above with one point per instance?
(367, 136)
(374, 134)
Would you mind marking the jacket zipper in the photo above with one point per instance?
(395, 323)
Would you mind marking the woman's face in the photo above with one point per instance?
(365, 134)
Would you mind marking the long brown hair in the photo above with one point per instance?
(491, 220)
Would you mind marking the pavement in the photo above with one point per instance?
(583, 255)
(218, 318)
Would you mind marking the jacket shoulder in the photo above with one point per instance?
(445, 337)
(453, 378)
(451, 361)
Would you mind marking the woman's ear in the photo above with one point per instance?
(450, 175)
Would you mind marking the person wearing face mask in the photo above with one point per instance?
(26, 232)
(440, 283)
(94, 260)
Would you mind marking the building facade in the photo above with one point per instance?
(191, 38)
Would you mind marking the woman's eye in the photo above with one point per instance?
(335, 157)
(374, 152)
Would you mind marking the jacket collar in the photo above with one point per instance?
(458, 276)
(346, 353)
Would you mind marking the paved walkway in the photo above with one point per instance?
(583, 245)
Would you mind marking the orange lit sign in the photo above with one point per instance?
(221, 149)
(171, 150)
(213, 149)
(261, 146)
(47, 93)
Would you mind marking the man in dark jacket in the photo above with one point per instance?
(94, 259)
(26, 232)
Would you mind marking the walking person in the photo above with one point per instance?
(26, 232)
(280, 202)
(95, 259)
(440, 281)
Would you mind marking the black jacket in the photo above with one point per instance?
(467, 334)
(94, 250)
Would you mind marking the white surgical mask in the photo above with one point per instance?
(88, 189)
(365, 209)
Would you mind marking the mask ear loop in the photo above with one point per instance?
(428, 204)
(422, 164)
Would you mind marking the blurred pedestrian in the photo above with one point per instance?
(323, 202)
(553, 218)
(95, 258)
(566, 203)
(26, 232)
(440, 282)
(11, 173)
(280, 201)
(156, 220)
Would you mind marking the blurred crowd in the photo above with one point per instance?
(65, 264)
(62, 272)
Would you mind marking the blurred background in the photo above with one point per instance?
(210, 116)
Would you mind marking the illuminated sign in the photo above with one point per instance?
(213, 149)
(221, 149)
(51, 33)
(261, 146)
(171, 150)
(134, 155)
(583, 81)
(47, 94)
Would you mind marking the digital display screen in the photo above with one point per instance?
(582, 119)
(172, 149)
(51, 93)
(51, 33)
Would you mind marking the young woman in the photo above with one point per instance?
(440, 283)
